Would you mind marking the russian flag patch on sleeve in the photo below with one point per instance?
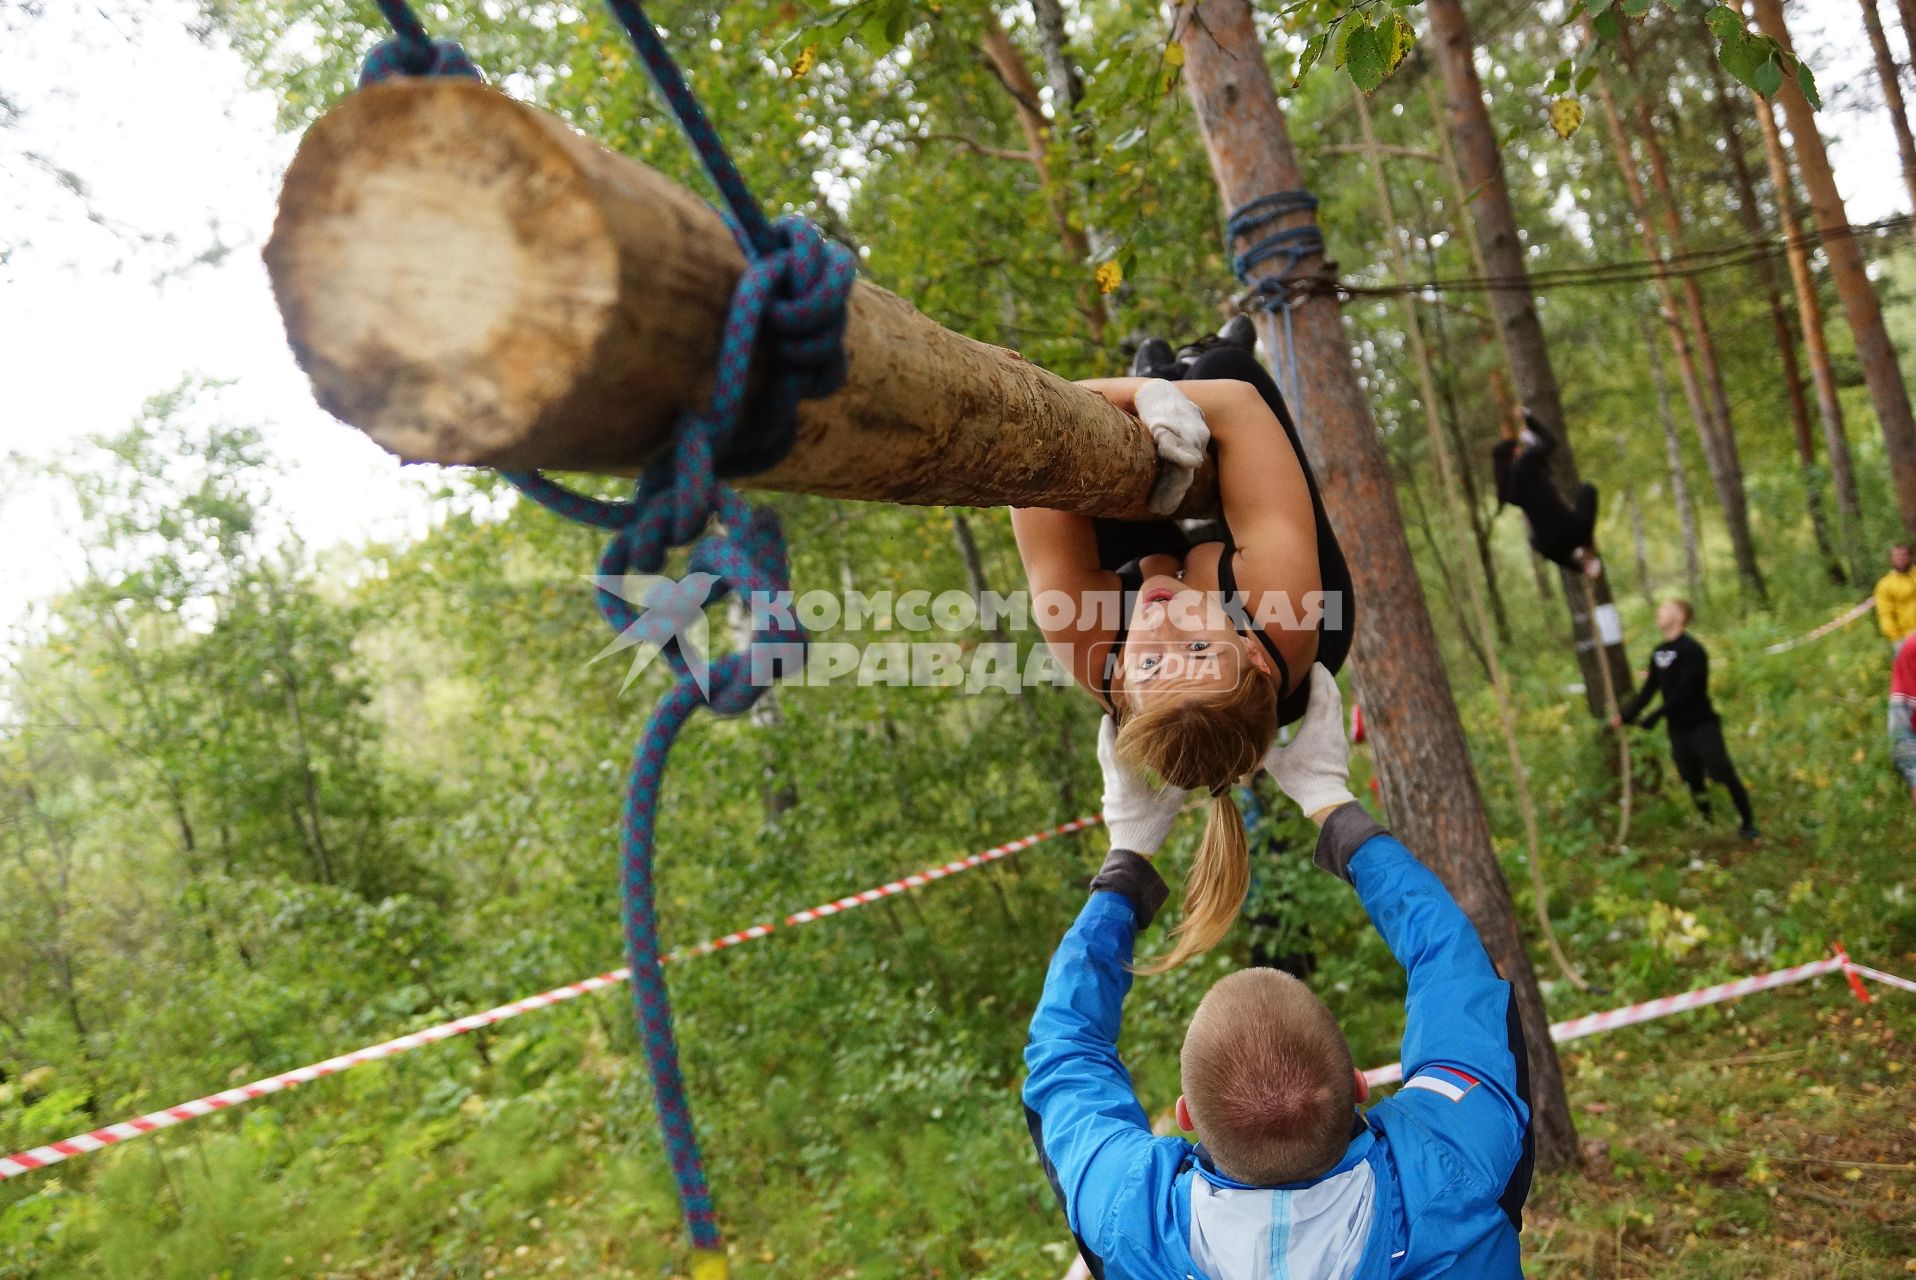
(1448, 1081)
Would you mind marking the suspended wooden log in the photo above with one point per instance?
(469, 280)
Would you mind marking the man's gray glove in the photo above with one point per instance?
(1314, 768)
(1178, 430)
(1137, 814)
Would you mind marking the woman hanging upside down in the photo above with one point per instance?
(1561, 534)
(1200, 648)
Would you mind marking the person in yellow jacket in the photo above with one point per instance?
(1896, 597)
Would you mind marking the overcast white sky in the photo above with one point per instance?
(170, 141)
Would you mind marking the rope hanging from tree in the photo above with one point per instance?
(1279, 292)
(794, 290)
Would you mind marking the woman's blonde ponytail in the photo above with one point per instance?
(1214, 891)
(1211, 741)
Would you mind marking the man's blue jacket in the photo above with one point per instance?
(1434, 1178)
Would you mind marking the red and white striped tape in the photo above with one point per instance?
(1887, 979)
(80, 1144)
(919, 879)
(1662, 1007)
(1841, 620)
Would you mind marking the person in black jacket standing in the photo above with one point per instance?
(1562, 533)
(1680, 670)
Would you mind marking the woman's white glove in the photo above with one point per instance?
(1182, 438)
(1137, 814)
(1314, 769)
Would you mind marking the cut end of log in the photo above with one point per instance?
(445, 274)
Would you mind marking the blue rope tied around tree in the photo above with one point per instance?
(795, 289)
(1281, 290)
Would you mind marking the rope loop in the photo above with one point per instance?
(1280, 290)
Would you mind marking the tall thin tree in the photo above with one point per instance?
(1887, 390)
(1423, 756)
(1750, 212)
(1729, 489)
(1670, 212)
(1679, 476)
(1892, 98)
(1816, 351)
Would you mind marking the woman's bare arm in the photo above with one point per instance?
(1059, 549)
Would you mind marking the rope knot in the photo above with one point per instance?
(406, 56)
(808, 307)
(795, 293)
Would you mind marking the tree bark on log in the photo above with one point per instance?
(1494, 222)
(468, 280)
(1422, 753)
(1809, 314)
(1887, 390)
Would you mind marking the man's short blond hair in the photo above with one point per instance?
(1268, 1079)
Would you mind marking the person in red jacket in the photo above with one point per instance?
(1902, 713)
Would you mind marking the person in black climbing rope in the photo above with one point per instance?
(1562, 534)
(1680, 670)
(1198, 673)
(1288, 1178)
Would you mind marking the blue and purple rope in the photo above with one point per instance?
(792, 295)
(1294, 245)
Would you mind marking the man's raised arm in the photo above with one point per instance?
(1085, 1113)
(1461, 1042)
(1081, 1106)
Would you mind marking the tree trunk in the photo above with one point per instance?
(1892, 98)
(1067, 90)
(1679, 476)
(1887, 391)
(1494, 222)
(1703, 376)
(404, 201)
(1422, 755)
(1729, 493)
(1452, 416)
(1750, 213)
(1639, 541)
(1809, 314)
(1009, 65)
(1736, 504)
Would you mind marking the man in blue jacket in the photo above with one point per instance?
(1289, 1179)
